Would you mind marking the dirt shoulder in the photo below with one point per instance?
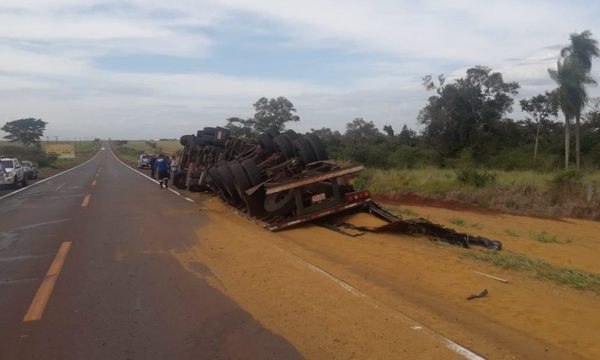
(335, 296)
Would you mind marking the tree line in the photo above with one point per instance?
(467, 122)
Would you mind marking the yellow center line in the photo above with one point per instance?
(36, 309)
(94, 183)
(86, 200)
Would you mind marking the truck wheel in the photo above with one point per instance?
(304, 150)
(227, 177)
(216, 182)
(252, 171)
(209, 131)
(291, 134)
(272, 133)
(284, 145)
(266, 142)
(186, 139)
(179, 179)
(241, 181)
(317, 146)
(281, 203)
(24, 181)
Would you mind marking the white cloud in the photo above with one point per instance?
(49, 48)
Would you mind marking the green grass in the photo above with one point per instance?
(510, 232)
(403, 211)
(546, 238)
(458, 222)
(439, 181)
(540, 269)
(83, 150)
(133, 148)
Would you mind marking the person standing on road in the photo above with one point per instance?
(162, 169)
(152, 165)
(173, 165)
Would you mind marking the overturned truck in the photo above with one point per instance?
(286, 179)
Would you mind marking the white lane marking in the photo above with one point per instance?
(16, 281)
(24, 257)
(145, 176)
(46, 179)
(412, 323)
(28, 227)
(60, 186)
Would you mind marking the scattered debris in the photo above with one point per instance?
(483, 294)
(491, 277)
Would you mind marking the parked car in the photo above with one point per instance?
(2, 175)
(144, 161)
(31, 170)
(14, 172)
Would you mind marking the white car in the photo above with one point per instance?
(144, 161)
(14, 172)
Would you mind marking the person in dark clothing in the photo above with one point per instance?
(152, 164)
(162, 169)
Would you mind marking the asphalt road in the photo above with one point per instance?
(86, 272)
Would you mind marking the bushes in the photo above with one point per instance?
(30, 153)
(566, 178)
(474, 177)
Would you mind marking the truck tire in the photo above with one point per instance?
(216, 182)
(227, 177)
(209, 131)
(179, 179)
(284, 145)
(186, 139)
(272, 133)
(24, 181)
(205, 140)
(304, 150)
(317, 146)
(240, 179)
(281, 203)
(291, 134)
(252, 171)
(266, 142)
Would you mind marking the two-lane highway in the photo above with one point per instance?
(87, 272)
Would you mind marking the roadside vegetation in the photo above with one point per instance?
(48, 161)
(131, 149)
(539, 269)
(470, 148)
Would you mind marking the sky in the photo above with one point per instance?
(135, 69)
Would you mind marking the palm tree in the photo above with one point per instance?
(582, 50)
(565, 77)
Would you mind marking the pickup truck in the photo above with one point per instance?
(14, 172)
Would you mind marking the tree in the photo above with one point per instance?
(272, 114)
(540, 107)
(571, 78)
(361, 130)
(28, 131)
(407, 135)
(240, 127)
(465, 114)
(580, 52)
(388, 130)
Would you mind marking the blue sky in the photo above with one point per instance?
(150, 68)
